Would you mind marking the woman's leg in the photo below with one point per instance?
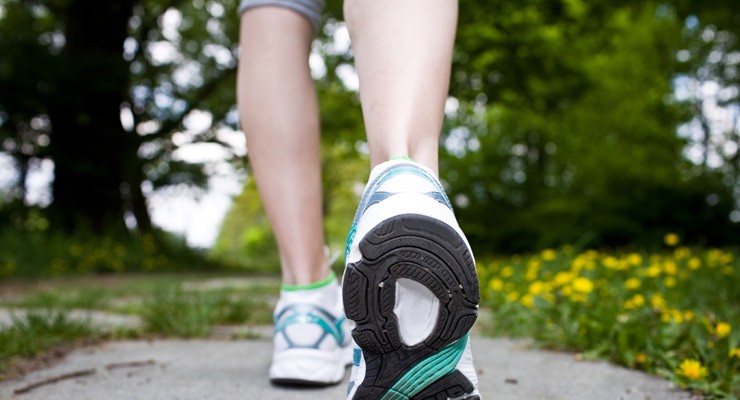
(403, 55)
(279, 114)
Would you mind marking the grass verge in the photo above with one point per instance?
(179, 305)
(674, 313)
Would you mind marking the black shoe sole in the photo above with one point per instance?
(430, 252)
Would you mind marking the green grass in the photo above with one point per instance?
(675, 314)
(173, 311)
(168, 305)
(39, 331)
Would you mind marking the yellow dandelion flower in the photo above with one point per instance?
(632, 283)
(734, 352)
(692, 369)
(634, 259)
(527, 301)
(657, 301)
(681, 253)
(722, 329)
(636, 301)
(672, 315)
(507, 271)
(512, 297)
(563, 278)
(496, 284)
(671, 239)
(669, 281)
(653, 271)
(694, 263)
(610, 262)
(583, 285)
(578, 297)
(537, 287)
(670, 268)
(640, 358)
(548, 254)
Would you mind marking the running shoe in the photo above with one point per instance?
(411, 287)
(311, 341)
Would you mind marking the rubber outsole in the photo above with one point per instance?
(299, 383)
(430, 252)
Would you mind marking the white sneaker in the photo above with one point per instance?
(311, 343)
(411, 287)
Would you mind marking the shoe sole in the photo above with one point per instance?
(430, 252)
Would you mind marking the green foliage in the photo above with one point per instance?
(566, 129)
(651, 311)
(33, 251)
(245, 239)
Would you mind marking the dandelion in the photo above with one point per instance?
(694, 263)
(549, 254)
(636, 301)
(722, 330)
(512, 297)
(562, 278)
(632, 283)
(507, 271)
(669, 281)
(527, 301)
(692, 369)
(537, 287)
(681, 253)
(657, 301)
(670, 268)
(672, 315)
(653, 271)
(583, 285)
(640, 358)
(734, 352)
(634, 259)
(671, 239)
(496, 284)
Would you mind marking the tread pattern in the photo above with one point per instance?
(430, 252)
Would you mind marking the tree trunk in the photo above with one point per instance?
(87, 141)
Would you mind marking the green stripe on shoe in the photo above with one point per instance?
(427, 371)
(314, 285)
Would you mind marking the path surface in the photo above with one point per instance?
(226, 369)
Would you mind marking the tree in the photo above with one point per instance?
(566, 128)
(67, 78)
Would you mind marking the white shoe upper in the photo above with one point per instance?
(311, 343)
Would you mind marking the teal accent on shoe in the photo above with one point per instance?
(356, 357)
(313, 315)
(309, 286)
(427, 371)
(407, 158)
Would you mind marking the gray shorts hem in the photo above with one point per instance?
(310, 9)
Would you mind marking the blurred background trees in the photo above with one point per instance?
(599, 123)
